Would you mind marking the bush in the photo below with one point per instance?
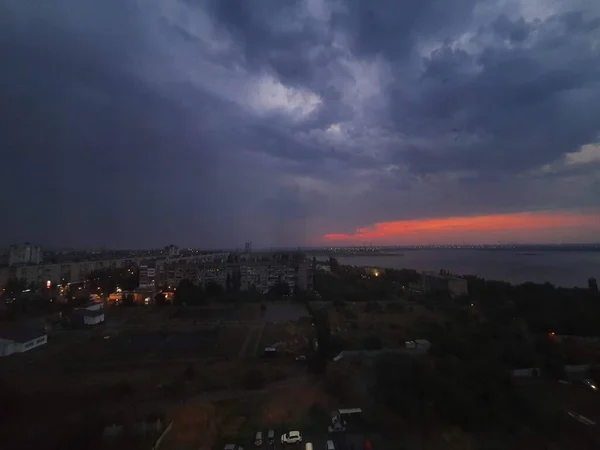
(254, 379)
(318, 415)
(348, 314)
(122, 389)
(395, 308)
(372, 307)
(373, 343)
(189, 373)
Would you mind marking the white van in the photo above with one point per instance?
(329, 445)
(308, 446)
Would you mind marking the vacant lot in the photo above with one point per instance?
(392, 322)
(293, 337)
(285, 311)
(556, 399)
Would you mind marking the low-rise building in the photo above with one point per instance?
(92, 314)
(21, 340)
(87, 317)
(431, 281)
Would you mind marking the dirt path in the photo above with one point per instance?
(250, 346)
(228, 394)
(216, 396)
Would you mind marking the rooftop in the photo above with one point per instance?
(22, 334)
(88, 313)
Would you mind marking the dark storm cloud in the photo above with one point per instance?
(393, 28)
(137, 123)
(531, 103)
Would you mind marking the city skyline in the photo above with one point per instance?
(311, 123)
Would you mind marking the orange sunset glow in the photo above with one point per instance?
(515, 227)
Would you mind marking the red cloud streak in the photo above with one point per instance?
(526, 226)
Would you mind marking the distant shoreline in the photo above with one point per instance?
(561, 268)
(357, 254)
(526, 250)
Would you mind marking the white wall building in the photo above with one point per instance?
(25, 254)
(20, 341)
(88, 317)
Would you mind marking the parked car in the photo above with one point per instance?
(308, 446)
(233, 447)
(329, 445)
(291, 437)
(300, 358)
(591, 384)
(258, 439)
(271, 437)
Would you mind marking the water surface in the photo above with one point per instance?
(562, 268)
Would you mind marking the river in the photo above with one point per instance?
(561, 268)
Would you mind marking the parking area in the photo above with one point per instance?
(341, 441)
(306, 409)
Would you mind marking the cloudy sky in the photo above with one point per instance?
(138, 123)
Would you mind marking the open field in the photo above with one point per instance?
(140, 361)
(285, 311)
(237, 420)
(558, 399)
(392, 322)
(292, 337)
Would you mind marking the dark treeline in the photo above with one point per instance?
(476, 341)
(355, 284)
(544, 307)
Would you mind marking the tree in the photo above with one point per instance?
(323, 331)
(122, 389)
(373, 343)
(15, 286)
(160, 299)
(593, 285)
(213, 289)
(236, 281)
(186, 293)
(278, 290)
(190, 373)
(128, 300)
(228, 283)
(334, 265)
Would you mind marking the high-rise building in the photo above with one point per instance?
(147, 275)
(248, 247)
(172, 250)
(25, 254)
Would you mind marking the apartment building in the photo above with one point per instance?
(25, 254)
(432, 281)
(148, 275)
(212, 274)
(261, 270)
(261, 275)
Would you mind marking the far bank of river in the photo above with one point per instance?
(561, 268)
